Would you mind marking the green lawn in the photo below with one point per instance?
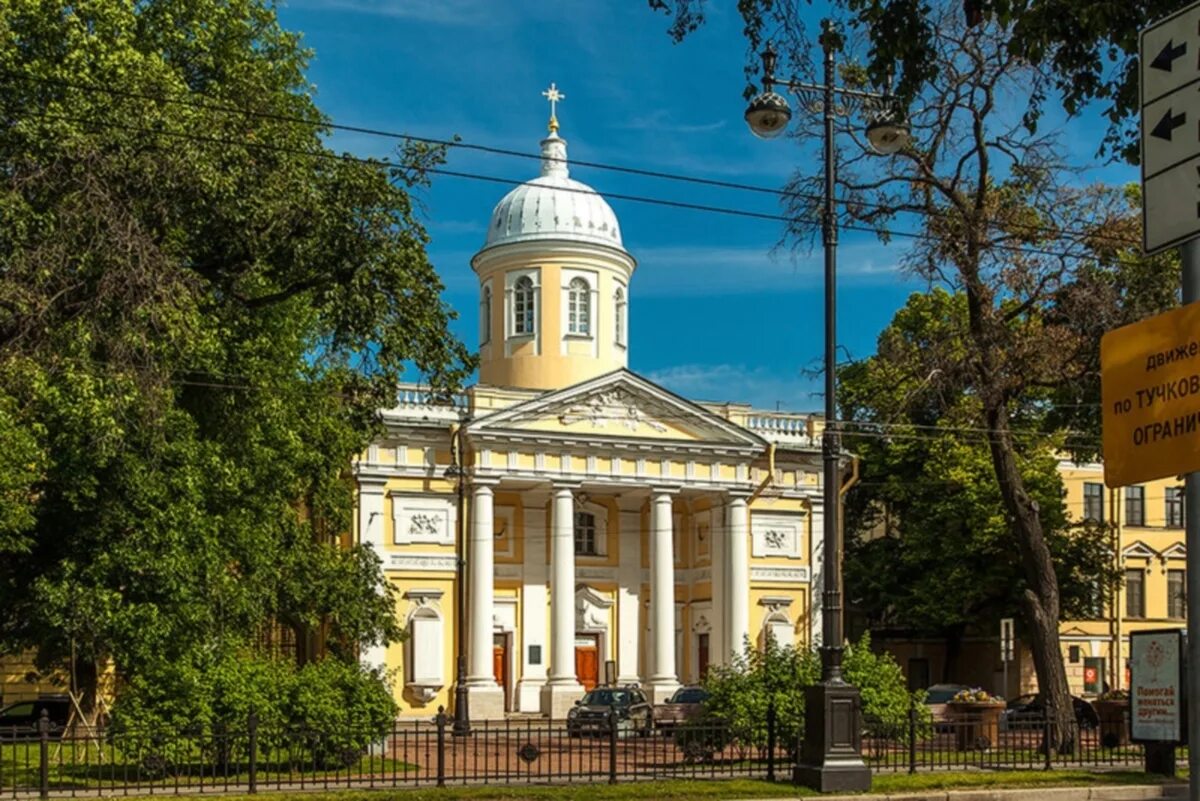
(727, 789)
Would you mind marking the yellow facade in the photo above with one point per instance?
(566, 522)
(1145, 524)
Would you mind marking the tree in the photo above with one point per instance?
(928, 547)
(1088, 47)
(201, 309)
(1002, 221)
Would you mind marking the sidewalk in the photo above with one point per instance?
(1111, 793)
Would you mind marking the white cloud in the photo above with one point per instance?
(659, 121)
(762, 387)
(697, 270)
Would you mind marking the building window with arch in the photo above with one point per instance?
(524, 306)
(585, 534)
(579, 307)
(619, 304)
(485, 315)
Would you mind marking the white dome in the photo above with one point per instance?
(553, 207)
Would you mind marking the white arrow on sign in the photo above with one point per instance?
(1170, 53)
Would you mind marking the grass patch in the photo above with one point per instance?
(729, 788)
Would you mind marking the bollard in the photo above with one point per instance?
(771, 740)
(912, 736)
(441, 746)
(252, 748)
(612, 745)
(44, 754)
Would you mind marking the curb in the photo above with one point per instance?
(1131, 792)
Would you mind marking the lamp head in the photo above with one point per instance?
(888, 133)
(768, 115)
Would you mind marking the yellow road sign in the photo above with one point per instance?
(1150, 396)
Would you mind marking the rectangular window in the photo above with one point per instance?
(1177, 594)
(1174, 511)
(1093, 502)
(1135, 592)
(1135, 506)
(585, 534)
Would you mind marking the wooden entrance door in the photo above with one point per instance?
(587, 663)
(702, 655)
(500, 666)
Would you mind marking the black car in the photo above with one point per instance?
(627, 707)
(1028, 712)
(19, 721)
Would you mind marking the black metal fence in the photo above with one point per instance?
(256, 758)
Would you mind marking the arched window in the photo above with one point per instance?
(485, 315)
(524, 306)
(579, 307)
(619, 304)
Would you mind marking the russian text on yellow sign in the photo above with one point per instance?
(1150, 396)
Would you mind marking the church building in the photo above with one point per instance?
(607, 529)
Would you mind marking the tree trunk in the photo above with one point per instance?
(87, 680)
(1040, 601)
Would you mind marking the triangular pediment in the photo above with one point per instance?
(618, 405)
(1139, 550)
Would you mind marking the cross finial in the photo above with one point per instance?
(553, 95)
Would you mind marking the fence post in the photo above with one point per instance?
(441, 746)
(1048, 739)
(44, 754)
(612, 745)
(252, 748)
(771, 740)
(912, 735)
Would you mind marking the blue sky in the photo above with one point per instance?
(714, 315)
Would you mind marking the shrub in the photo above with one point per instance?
(325, 714)
(739, 694)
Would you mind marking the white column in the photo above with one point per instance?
(533, 604)
(485, 697)
(816, 561)
(629, 591)
(664, 680)
(739, 573)
(562, 687)
(718, 652)
(371, 495)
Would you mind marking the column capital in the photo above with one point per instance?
(659, 491)
(738, 497)
(482, 482)
(559, 487)
(372, 485)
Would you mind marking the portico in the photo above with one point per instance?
(614, 532)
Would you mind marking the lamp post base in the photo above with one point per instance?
(831, 752)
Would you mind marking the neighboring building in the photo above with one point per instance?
(614, 530)
(1146, 524)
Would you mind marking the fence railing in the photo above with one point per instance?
(255, 758)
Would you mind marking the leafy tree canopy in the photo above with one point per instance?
(929, 545)
(201, 308)
(1088, 47)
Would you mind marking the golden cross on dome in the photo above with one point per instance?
(553, 95)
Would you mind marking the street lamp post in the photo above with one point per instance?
(830, 754)
(458, 473)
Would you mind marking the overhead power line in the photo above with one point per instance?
(218, 106)
(655, 201)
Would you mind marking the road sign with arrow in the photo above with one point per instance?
(1170, 82)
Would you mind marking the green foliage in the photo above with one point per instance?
(200, 313)
(331, 710)
(929, 546)
(740, 693)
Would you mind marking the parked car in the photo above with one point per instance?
(19, 721)
(682, 706)
(1027, 712)
(593, 713)
(937, 697)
